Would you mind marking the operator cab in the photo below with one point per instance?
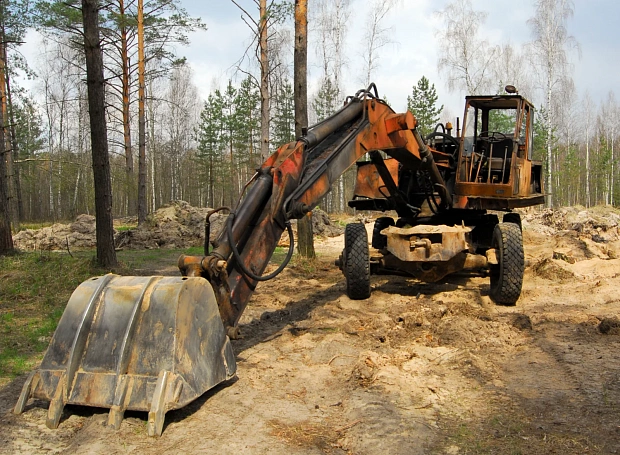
(495, 168)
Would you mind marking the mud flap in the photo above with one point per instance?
(140, 343)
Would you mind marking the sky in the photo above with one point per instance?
(413, 30)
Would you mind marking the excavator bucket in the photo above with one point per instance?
(139, 343)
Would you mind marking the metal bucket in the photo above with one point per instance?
(140, 343)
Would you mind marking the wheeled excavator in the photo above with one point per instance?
(157, 343)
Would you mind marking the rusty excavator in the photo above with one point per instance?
(157, 343)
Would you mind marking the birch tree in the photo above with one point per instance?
(376, 35)
(588, 123)
(549, 52)
(465, 58)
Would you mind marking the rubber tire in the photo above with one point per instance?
(356, 261)
(379, 241)
(514, 218)
(507, 276)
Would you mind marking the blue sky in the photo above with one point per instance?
(415, 48)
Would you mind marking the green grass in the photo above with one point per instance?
(34, 289)
(510, 434)
(34, 226)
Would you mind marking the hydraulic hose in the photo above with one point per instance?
(237, 256)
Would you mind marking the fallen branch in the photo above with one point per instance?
(339, 355)
(68, 250)
(346, 427)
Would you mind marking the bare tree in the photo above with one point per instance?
(510, 67)
(331, 19)
(181, 116)
(609, 116)
(376, 35)
(260, 29)
(549, 54)
(588, 117)
(465, 58)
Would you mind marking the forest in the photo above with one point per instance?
(203, 151)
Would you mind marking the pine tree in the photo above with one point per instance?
(208, 136)
(284, 119)
(230, 127)
(327, 100)
(247, 126)
(423, 104)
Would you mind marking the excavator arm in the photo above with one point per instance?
(292, 182)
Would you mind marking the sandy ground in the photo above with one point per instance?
(415, 369)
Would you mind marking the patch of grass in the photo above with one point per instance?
(34, 226)
(279, 255)
(34, 290)
(305, 266)
(510, 434)
(124, 228)
(153, 259)
(194, 251)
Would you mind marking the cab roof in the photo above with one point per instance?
(496, 101)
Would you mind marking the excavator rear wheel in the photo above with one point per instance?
(507, 275)
(513, 217)
(356, 261)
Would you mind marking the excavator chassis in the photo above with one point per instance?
(156, 343)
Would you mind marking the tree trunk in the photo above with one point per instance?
(8, 155)
(14, 144)
(6, 240)
(264, 81)
(304, 226)
(549, 188)
(106, 255)
(142, 206)
(129, 174)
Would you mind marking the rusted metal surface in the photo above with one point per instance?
(496, 172)
(430, 272)
(155, 343)
(369, 182)
(427, 243)
(140, 343)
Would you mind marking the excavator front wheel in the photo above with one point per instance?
(379, 241)
(507, 275)
(356, 261)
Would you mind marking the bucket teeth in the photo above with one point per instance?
(141, 343)
(155, 424)
(26, 393)
(117, 411)
(57, 404)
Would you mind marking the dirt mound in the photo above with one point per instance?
(552, 269)
(322, 225)
(79, 234)
(176, 225)
(600, 224)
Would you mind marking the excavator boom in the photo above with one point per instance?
(292, 182)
